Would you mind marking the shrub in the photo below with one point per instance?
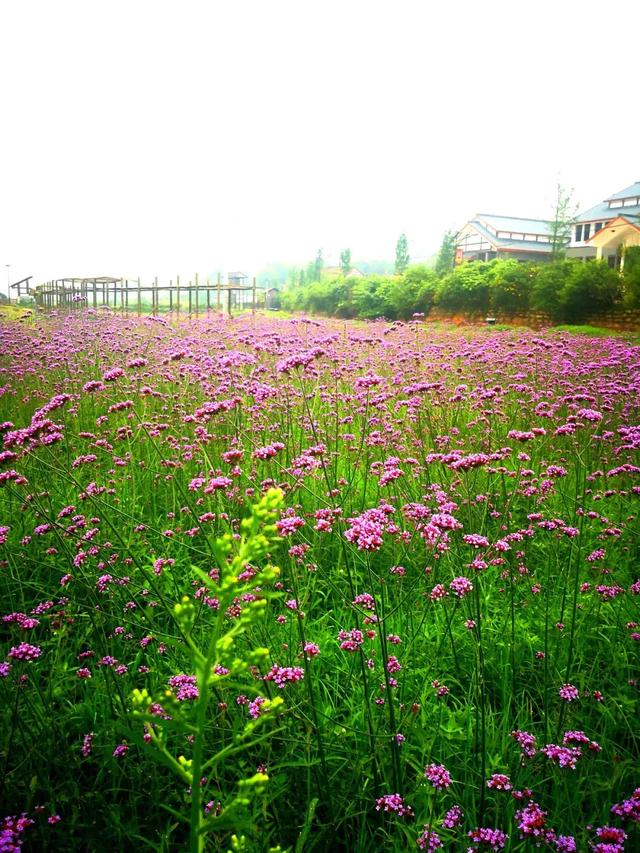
(589, 288)
(466, 288)
(419, 285)
(510, 285)
(547, 288)
(370, 297)
(632, 276)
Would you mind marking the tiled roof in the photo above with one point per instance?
(629, 192)
(602, 212)
(502, 243)
(515, 223)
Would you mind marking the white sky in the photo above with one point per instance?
(160, 137)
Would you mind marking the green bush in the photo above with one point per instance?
(465, 288)
(547, 288)
(631, 278)
(415, 292)
(590, 287)
(510, 284)
(567, 290)
(370, 297)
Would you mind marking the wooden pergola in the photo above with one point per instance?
(23, 283)
(123, 294)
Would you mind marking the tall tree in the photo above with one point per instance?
(318, 265)
(402, 254)
(447, 253)
(564, 214)
(345, 262)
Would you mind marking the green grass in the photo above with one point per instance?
(149, 543)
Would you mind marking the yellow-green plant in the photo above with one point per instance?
(212, 648)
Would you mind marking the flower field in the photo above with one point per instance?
(280, 584)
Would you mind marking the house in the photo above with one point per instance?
(336, 272)
(487, 236)
(603, 230)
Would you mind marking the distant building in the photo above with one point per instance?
(272, 298)
(599, 232)
(336, 272)
(487, 236)
(602, 231)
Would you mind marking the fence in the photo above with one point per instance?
(193, 296)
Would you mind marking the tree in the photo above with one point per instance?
(402, 254)
(632, 276)
(447, 253)
(589, 288)
(345, 262)
(564, 213)
(318, 264)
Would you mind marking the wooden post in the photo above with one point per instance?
(229, 300)
(171, 296)
(190, 298)
(154, 293)
(253, 309)
(178, 294)
(127, 295)
(208, 295)
(219, 285)
(197, 296)
(139, 306)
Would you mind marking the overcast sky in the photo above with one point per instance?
(160, 137)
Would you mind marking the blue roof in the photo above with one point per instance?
(629, 192)
(602, 212)
(515, 223)
(502, 243)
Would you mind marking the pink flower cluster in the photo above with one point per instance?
(283, 675)
(394, 803)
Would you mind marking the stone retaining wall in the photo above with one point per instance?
(619, 321)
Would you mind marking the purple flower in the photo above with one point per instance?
(25, 651)
(499, 782)
(394, 803)
(453, 817)
(461, 586)
(185, 687)
(526, 742)
(429, 840)
(438, 775)
(629, 809)
(568, 693)
(283, 675)
(495, 839)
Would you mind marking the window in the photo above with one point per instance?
(630, 202)
(504, 234)
(530, 237)
(586, 231)
(578, 233)
(598, 227)
(611, 260)
(543, 239)
(615, 204)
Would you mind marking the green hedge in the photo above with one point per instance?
(568, 290)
